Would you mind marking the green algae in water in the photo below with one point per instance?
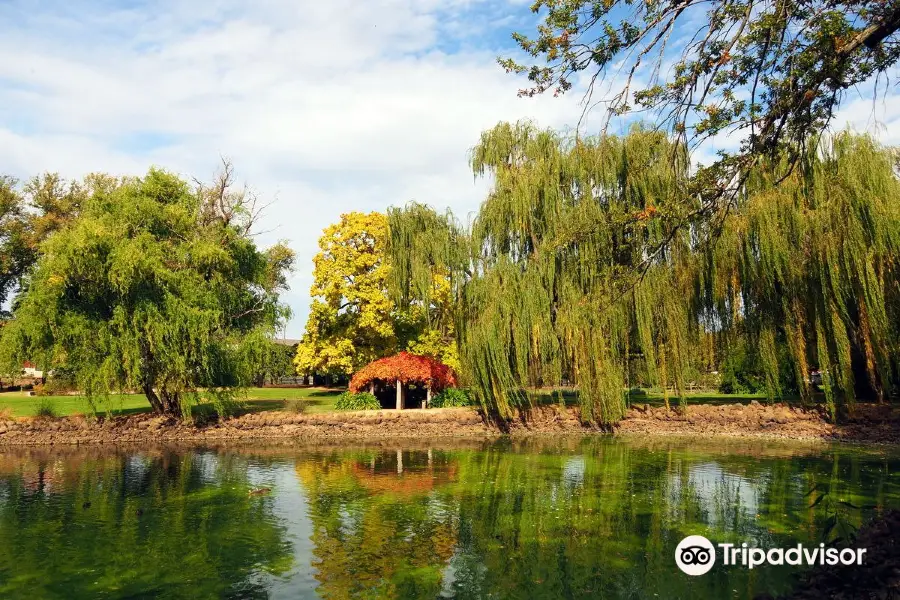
(561, 518)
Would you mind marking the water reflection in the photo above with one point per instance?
(378, 530)
(563, 518)
(165, 524)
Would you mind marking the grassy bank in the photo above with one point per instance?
(320, 400)
(20, 404)
(654, 397)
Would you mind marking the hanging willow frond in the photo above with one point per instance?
(586, 250)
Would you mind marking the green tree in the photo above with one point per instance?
(29, 215)
(563, 219)
(566, 273)
(155, 287)
(274, 360)
(424, 289)
(773, 72)
(811, 261)
(13, 238)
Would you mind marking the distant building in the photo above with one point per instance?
(29, 370)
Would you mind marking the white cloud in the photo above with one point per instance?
(325, 107)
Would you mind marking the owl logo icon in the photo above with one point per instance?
(695, 555)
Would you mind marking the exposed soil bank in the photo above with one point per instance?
(143, 428)
(289, 447)
(870, 424)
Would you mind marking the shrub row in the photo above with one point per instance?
(451, 398)
(360, 401)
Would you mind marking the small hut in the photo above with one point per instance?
(402, 371)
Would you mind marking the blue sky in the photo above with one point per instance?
(324, 107)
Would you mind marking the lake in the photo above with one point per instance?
(540, 518)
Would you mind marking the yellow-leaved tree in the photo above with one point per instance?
(352, 319)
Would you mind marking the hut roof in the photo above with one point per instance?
(408, 368)
(410, 483)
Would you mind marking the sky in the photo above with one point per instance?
(323, 107)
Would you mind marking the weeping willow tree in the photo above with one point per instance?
(810, 261)
(566, 269)
(154, 287)
(586, 253)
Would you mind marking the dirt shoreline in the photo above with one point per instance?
(870, 424)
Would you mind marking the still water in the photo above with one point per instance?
(560, 518)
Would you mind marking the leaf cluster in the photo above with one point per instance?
(143, 292)
(585, 258)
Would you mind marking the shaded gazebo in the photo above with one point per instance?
(404, 369)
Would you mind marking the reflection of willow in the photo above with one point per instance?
(589, 518)
(378, 531)
(558, 525)
(604, 519)
(153, 524)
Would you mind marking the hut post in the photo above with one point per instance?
(372, 387)
(399, 395)
(427, 401)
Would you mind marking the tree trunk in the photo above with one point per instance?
(171, 403)
(155, 403)
(162, 402)
(399, 395)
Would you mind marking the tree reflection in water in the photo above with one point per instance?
(159, 524)
(378, 530)
(567, 519)
(550, 518)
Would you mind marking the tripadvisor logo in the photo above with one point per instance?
(696, 555)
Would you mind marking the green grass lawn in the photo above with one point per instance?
(704, 397)
(258, 399)
(318, 400)
(655, 397)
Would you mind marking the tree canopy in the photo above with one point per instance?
(353, 319)
(566, 273)
(778, 69)
(771, 74)
(811, 259)
(350, 320)
(13, 245)
(29, 214)
(406, 368)
(155, 286)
